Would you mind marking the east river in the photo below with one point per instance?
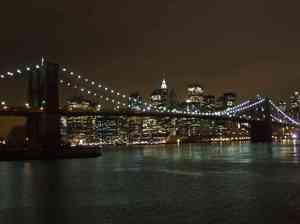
(230, 183)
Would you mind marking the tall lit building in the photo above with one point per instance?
(135, 102)
(195, 93)
(195, 97)
(173, 100)
(225, 101)
(210, 102)
(159, 97)
(230, 99)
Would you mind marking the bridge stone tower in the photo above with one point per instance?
(43, 129)
(261, 131)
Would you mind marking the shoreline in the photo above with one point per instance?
(17, 153)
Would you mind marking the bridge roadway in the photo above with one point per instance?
(26, 112)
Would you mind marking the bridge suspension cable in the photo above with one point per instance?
(284, 114)
(243, 107)
(108, 90)
(18, 72)
(89, 92)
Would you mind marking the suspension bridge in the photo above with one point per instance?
(43, 111)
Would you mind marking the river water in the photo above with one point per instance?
(233, 183)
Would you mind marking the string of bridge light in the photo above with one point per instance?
(3, 105)
(277, 119)
(148, 109)
(110, 91)
(284, 114)
(243, 108)
(232, 109)
(19, 71)
(90, 92)
(145, 104)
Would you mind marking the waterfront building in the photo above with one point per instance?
(112, 129)
(80, 130)
(155, 130)
(135, 130)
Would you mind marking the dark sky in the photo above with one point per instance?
(228, 45)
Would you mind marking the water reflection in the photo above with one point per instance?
(221, 183)
(239, 153)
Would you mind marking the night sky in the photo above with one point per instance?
(248, 47)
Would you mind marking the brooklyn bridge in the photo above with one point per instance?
(43, 112)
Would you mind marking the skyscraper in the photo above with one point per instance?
(195, 97)
(135, 102)
(159, 97)
(210, 102)
(227, 100)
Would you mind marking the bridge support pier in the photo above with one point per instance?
(261, 131)
(33, 120)
(43, 130)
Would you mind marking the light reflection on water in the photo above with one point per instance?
(229, 183)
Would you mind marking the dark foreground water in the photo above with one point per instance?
(162, 184)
